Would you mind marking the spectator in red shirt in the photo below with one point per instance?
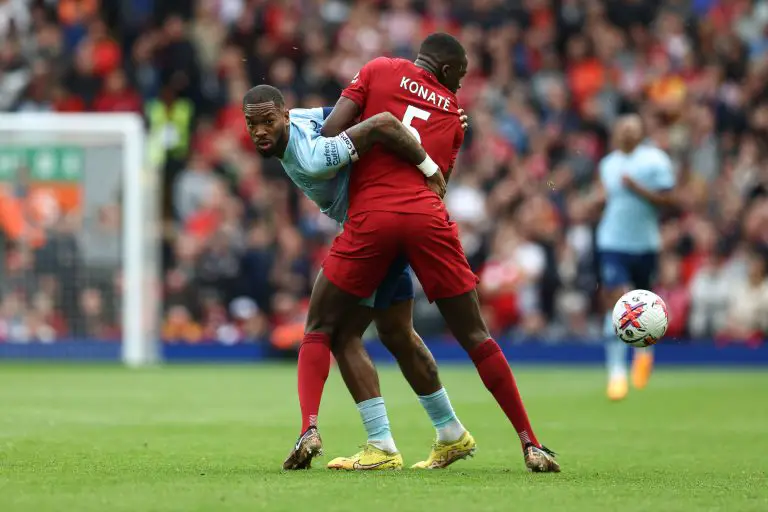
(117, 95)
(105, 51)
(65, 101)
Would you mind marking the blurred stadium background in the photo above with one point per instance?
(239, 247)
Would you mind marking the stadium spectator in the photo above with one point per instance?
(545, 82)
(117, 95)
(675, 294)
(747, 313)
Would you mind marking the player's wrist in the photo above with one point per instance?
(354, 156)
(428, 167)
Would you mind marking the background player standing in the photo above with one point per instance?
(635, 181)
(390, 217)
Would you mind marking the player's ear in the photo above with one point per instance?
(287, 115)
(446, 70)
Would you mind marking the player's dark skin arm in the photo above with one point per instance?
(346, 111)
(448, 174)
(341, 117)
(384, 129)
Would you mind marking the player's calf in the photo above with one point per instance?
(466, 323)
(462, 314)
(327, 306)
(395, 326)
(413, 357)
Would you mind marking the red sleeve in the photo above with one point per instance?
(458, 140)
(359, 87)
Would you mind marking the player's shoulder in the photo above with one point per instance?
(654, 154)
(386, 64)
(610, 158)
(308, 120)
(650, 149)
(306, 114)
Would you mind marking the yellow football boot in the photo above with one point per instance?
(445, 454)
(642, 366)
(617, 388)
(371, 458)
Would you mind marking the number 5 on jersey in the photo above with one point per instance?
(412, 113)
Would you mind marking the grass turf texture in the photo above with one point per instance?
(86, 438)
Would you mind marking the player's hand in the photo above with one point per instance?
(436, 184)
(629, 183)
(463, 119)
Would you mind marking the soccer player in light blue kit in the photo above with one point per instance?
(636, 181)
(320, 167)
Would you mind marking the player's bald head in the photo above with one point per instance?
(443, 48)
(628, 131)
(446, 57)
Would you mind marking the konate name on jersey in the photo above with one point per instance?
(380, 180)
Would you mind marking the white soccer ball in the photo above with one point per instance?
(640, 318)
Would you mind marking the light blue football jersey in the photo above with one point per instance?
(630, 224)
(318, 165)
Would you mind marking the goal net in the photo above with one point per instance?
(78, 238)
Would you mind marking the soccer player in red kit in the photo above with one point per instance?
(392, 212)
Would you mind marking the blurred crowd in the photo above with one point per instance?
(546, 80)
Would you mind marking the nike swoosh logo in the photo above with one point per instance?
(301, 439)
(357, 465)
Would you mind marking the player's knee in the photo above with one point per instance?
(475, 337)
(611, 295)
(394, 338)
(397, 337)
(345, 344)
(318, 324)
(322, 320)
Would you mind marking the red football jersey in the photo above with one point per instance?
(382, 181)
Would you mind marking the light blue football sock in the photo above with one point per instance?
(615, 351)
(440, 411)
(376, 422)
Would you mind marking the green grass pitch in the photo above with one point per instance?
(97, 438)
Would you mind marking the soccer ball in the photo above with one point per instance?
(640, 318)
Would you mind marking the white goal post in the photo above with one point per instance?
(138, 186)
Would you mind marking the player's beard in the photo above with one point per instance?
(278, 146)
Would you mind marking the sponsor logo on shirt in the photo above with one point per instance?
(331, 154)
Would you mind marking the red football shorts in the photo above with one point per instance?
(361, 255)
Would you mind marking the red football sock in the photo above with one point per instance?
(497, 376)
(314, 366)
